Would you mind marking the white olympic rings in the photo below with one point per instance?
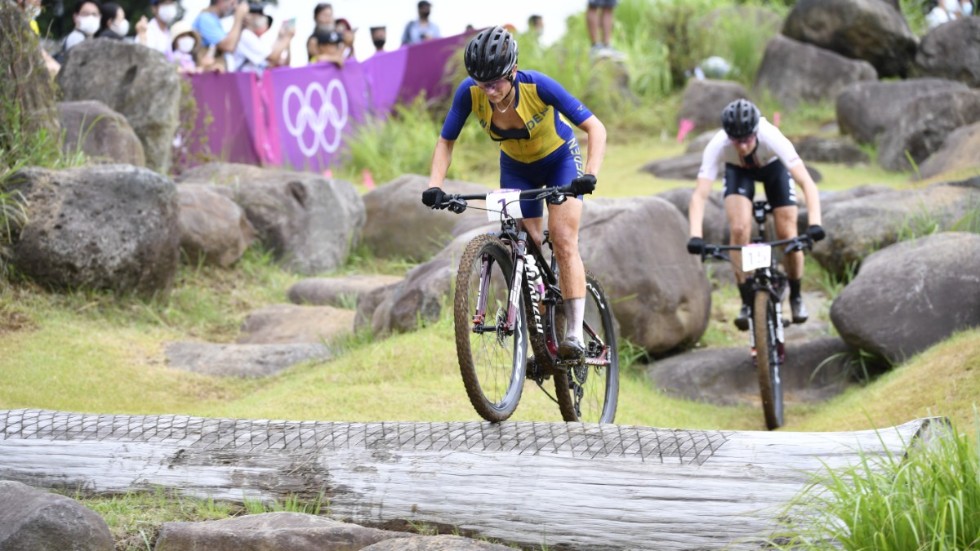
(306, 118)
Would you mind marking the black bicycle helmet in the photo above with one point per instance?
(740, 118)
(490, 55)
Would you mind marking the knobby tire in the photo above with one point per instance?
(767, 358)
(598, 385)
(492, 364)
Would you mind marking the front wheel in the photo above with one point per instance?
(491, 354)
(768, 358)
(589, 392)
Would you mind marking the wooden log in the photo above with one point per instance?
(580, 486)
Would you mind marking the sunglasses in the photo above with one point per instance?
(742, 141)
(493, 84)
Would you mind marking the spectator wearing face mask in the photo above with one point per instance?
(87, 18)
(379, 35)
(346, 31)
(322, 20)
(186, 47)
(330, 47)
(115, 26)
(158, 29)
(421, 29)
(252, 54)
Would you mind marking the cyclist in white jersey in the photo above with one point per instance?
(751, 150)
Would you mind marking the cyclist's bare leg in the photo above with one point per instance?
(739, 211)
(533, 227)
(563, 223)
(785, 229)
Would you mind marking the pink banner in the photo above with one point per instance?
(300, 117)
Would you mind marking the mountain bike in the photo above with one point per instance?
(770, 286)
(508, 294)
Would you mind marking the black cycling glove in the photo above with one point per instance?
(816, 233)
(583, 185)
(434, 197)
(695, 245)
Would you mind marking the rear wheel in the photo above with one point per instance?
(491, 356)
(589, 392)
(768, 358)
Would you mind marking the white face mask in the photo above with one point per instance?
(186, 44)
(167, 13)
(120, 27)
(88, 24)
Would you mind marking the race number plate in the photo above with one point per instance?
(504, 201)
(755, 257)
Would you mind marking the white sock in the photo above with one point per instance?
(574, 314)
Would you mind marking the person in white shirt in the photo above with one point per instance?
(87, 18)
(157, 36)
(252, 54)
(751, 150)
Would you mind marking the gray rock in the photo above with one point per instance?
(270, 531)
(912, 295)
(924, 126)
(310, 223)
(133, 80)
(794, 72)
(703, 101)
(213, 229)
(952, 51)
(32, 520)
(292, 324)
(241, 360)
(436, 543)
(860, 29)
(957, 154)
(102, 134)
(682, 167)
(342, 292)
(831, 150)
(108, 227)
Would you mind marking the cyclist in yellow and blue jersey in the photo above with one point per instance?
(530, 115)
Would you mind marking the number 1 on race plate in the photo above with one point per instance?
(755, 257)
(504, 201)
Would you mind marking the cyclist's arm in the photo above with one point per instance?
(802, 178)
(695, 209)
(597, 144)
(441, 158)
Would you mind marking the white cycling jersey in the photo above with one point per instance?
(772, 145)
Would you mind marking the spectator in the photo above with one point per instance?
(599, 19)
(535, 25)
(330, 47)
(208, 25)
(252, 54)
(421, 29)
(186, 47)
(114, 26)
(322, 19)
(32, 9)
(158, 29)
(343, 26)
(379, 35)
(943, 12)
(87, 18)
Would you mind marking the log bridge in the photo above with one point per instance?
(564, 486)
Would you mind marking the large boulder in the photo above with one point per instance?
(659, 293)
(400, 226)
(103, 135)
(924, 126)
(310, 223)
(839, 150)
(958, 153)
(703, 101)
(32, 520)
(912, 295)
(860, 29)
(133, 80)
(108, 227)
(715, 223)
(242, 360)
(341, 292)
(213, 229)
(867, 109)
(794, 72)
(860, 226)
(296, 324)
(952, 51)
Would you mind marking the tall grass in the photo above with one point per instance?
(927, 500)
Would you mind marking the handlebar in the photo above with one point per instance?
(555, 196)
(797, 243)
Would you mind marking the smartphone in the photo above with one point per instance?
(291, 23)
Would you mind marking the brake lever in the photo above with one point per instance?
(456, 205)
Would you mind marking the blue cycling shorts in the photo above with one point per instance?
(557, 169)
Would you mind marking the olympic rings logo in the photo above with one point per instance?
(309, 121)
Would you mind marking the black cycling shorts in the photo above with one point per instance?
(774, 177)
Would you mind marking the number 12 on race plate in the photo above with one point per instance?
(507, 201)
(755, 257)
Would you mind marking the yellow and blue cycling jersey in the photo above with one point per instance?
(544, 152)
